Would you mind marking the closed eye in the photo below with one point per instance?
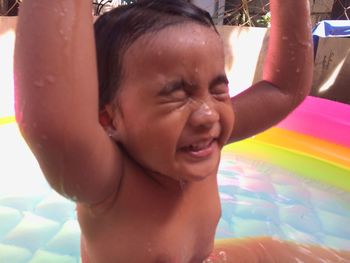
(221, 92)
(219, 87)
(174, 90)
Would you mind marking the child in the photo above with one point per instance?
(140, 155)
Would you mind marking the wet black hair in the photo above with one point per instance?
(118, 29)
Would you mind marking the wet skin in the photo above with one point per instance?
(160, 193)
(172, 118)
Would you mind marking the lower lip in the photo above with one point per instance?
(203, 153)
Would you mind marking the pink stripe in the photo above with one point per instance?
(321, 118)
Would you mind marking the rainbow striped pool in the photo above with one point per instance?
(291, 182)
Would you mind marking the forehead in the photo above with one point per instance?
(185, 32)
(184, 42)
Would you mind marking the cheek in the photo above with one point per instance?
(154, 133)
(227, 120)
(153, 146)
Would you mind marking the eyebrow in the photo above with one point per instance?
(180, 84)
(221, 79)
(171, 87)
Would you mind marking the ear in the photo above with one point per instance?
(105, 116)
(107, 119)
(111, 120)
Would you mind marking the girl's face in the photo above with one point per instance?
(174, 112)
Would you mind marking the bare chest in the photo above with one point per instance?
(144, 225)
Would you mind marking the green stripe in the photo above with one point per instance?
(298, 162)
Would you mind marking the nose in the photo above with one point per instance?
(204, 115)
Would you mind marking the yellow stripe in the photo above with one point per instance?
(7, 120)
(310, 145)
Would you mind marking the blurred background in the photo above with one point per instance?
(228, 12)
(244, 26)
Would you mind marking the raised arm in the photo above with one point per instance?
(287, 71)
(57, 99)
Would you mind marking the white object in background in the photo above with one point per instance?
(103, 6)
(215, 8)
(7, 41)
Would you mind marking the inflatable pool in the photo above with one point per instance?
(291, 182)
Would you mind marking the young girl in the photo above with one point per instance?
(134, 136)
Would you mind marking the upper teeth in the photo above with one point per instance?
(199, 146)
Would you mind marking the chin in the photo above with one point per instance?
(200, 172)
(200, 175)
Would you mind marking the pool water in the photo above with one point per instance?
(38, 225)
(261, 199)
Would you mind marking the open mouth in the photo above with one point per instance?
(200, 149)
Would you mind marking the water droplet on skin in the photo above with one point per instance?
(278, 70)
(297, 70)
(39, 83)
(203, 109)
(63, 192)
(284, 38)
(305, 43)
(39, 146)
(182, 184)
(149, 247)
(223, 256)
(50, 79)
